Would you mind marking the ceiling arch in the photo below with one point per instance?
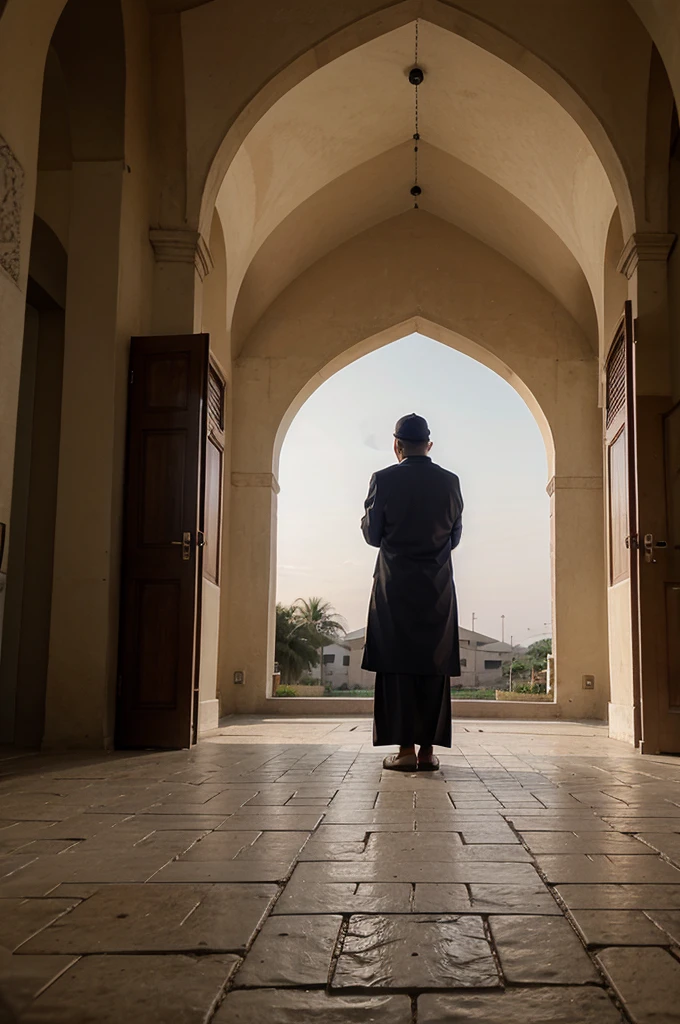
(500, 158)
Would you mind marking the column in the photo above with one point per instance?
(579, 603)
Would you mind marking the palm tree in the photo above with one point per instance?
(322, 617)
(297, 644)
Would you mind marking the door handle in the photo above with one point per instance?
(649, 546)
(186, 545)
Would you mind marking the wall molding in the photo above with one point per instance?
(644, 246)
(179, 245)
(574, 483)
(255, 480)
(11, 199)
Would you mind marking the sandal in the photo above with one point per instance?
(401, 763)
(431, 765)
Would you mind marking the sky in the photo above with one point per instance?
(481, 429)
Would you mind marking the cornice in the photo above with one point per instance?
(179, 245)
(644, 246)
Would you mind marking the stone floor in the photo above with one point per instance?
(276, 874)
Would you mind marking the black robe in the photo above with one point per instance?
(414, 515)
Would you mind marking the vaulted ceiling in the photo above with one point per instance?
(498, 157)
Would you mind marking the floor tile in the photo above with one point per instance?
(22, 978)
(344, 898)
(159, 918)
(646, 979)
(153, 989)
(620, 897)
(284, 1006)
(264, 823)
(20, 919)
(540, 951)
(667, 843)
(569, 868)
(584, 842)
(291, 951)
(485, 898)
(223, 871)
(586, 1005)
(669, 921)
(412, 953)
(618, 928)
(387, 871)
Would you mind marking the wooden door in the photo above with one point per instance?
(621, 479)
(162, 547)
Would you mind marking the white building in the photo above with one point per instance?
(481, 660)
(335, 669)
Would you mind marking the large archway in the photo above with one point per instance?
(525, 337)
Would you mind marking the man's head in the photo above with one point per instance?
(411, 437)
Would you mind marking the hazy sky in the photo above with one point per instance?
(481, 429)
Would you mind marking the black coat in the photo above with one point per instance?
(414, 515)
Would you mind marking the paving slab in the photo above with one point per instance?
(411, 953)
(20, 919)
(583, 869)
(584, 842)
(619, 928)
(219, 846)
(153, 989)
(390, 871)
(223, 871)
(344, 898)
(620, 897)
(283, 1006)
(332, 851)
(667, 843)
(22, 978)
(291, 950)
(557, 1005)
(669, 921)
(262, 822)
(485, 898)
(646, 980)
(540, 951)
(159, 918)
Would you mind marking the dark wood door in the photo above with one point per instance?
(622, 509)
(162, 548)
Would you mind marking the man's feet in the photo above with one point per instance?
(401, 762)
(427, 760)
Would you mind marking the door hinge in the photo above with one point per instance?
(132, 376)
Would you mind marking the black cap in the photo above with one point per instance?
(412, 428)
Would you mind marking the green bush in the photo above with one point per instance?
(285, 691)
(308, 681)
(529, 688)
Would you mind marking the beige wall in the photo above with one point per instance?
(305, 278)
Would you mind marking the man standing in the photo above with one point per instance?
(414, 515)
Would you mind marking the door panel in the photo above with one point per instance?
(162, 552)
(622, 507)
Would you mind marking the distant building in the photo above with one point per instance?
(336, 665)
(482, 659)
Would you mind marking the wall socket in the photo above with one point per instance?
(589, 682)
(239, 678)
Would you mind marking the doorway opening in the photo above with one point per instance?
(483, 431)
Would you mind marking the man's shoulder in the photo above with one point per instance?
(447, 473)
(387, 472)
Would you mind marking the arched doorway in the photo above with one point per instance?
(483, 431)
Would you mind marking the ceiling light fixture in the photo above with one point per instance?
(415, 77)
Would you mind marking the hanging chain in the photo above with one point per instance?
(415, 191)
